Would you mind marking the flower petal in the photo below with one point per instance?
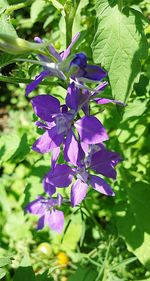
(37, 81)
(91, 130)
(60, 176)
(78, 192)
(105, 101)
(48, 141)
(55, 220)
(36, 207)
(101, 186)
(41, 223)
(48, 188)
(44, 106)
(66, 53)
(104, 161)
(73, 152)
(94, 73)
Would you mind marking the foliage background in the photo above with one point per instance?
(105, 239)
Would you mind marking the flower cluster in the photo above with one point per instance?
(69, 128)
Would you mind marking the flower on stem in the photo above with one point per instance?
(59, 124)
(98, 159)
(49, 215)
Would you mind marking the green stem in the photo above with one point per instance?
(93, 218)
(70, 9)
(18, 6)
(15, 80)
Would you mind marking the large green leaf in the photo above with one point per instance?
(36, 8)
(119, 45)
(133, 221)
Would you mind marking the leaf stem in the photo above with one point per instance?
(18, 6)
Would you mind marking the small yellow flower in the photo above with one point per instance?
(62, 259)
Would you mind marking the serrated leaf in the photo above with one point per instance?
(119, 45)
(132, 217)
(36, 8)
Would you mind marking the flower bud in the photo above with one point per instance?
(16, 45)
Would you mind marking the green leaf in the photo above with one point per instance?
(136, 108)
(12, 147)
(4, 261)
(24, 274)
(133, 217)
(119, 45)
(6, 26)
(84, 274)
(3, 5)
(36, 8)
(2, 273)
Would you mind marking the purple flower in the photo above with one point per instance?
(81, 69)
(45, 59)
(49, 215)
(98, 159)
(59, 124)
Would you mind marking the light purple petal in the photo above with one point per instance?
(61, 176)
(36, 81)
(44, 106)
(101, 186)
(55, 155)
(73, 152)
(48, 141)
(66, 53)
(105, 101)
(55, 220)
(36, 207)
(91, 130)
(41, 223)
(54, 53)
(78, 192)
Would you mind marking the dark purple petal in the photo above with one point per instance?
(36, 207)
(73, 152)
(61, 176)
(79, 60)
(66, 53)
(48, 188)
(104, 161)
(101, 186)
(78, 192)
(41, 222)
(55, 220)
(44, 106)
(105, 101)
(36, 81)
(91, 130)
(72, 98)
(48, 141)
(94, 73)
